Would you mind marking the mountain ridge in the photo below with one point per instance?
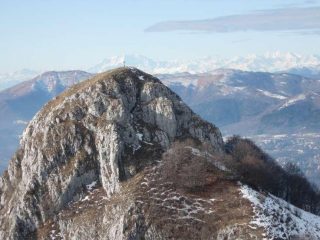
(120, 156)
(224, 96)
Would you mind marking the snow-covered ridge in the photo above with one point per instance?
(270, 62)
(280, 219)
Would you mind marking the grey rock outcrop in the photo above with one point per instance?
(104, 130)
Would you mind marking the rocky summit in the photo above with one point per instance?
(120, 156)
(104, 130)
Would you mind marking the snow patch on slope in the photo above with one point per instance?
(272, 95)
(291, 101)
(280, 219)
(21, 122)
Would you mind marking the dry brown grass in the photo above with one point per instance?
(228, 209)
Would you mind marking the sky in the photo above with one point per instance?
(77, 34)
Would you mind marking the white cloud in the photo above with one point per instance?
(285, 19)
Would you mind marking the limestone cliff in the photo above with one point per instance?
(104, 130)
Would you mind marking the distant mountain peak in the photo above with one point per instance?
(270, 62)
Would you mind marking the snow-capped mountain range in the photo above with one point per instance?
(306, 65)
(269, 62)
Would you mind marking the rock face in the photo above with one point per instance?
(103, 131)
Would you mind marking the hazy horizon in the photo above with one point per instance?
(78, 34)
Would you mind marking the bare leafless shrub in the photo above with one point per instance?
(260, 171)
(192, 166)
(185, 166)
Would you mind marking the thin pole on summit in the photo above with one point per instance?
(124, 63)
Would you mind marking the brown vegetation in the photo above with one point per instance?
(260, 171)
(192, 167)
(188, 169)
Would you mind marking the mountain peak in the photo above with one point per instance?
(105, 130)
